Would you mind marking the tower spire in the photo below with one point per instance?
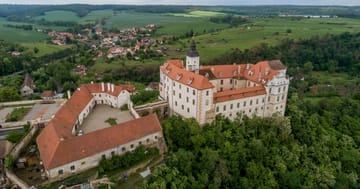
(192, 52)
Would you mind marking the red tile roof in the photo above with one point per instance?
(59, 129)
(238, 93)
(175, 70)
(80, 147)
(260, 72)
(48, 93)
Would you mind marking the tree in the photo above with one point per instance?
(8, 94)
(9, 162)
(308, 67)
(36, 50)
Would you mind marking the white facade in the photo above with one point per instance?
(93, 160)
(252, 89)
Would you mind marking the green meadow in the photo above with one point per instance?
(266, 30)
(199, 14)
(43, 47)
(66, 16)
(18, 35)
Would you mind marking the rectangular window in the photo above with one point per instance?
(182, 107)
(113, 153)
(174, 84)
(284, 89)
(174, 92)
(193, 92)
(193, 102)
(257, 101)
(72, 167)
(238, 105)
(221, 82)
(231, 81)
(83, 163)
(123, 149)
(207, 102)
(244, 104)
(231, 106)
(279, 90)
(140, 143)
(224, 108)
(221, 89)
(132, 146)
(250, 102)
(187, 89)
(207, 93)
(60, 172)
(147, 140)
(156, 137)
(180, 95)
(179, 86)
(217, 109)
(187, 99)
(188, 110)
(175, 103)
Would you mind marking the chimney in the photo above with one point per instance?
(112, 87)
(102, 86)
(247, 66)
(108, 87)
(78, 88)
(68, 94)
(92, 82)
(239, 69)
(212, 69)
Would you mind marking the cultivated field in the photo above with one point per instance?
(266, 30)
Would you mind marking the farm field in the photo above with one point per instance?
(199, 14)
(18, 35)
(66, 16)
(266, 30)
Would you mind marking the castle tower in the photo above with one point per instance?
(193, 58)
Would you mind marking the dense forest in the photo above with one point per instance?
(315, 146)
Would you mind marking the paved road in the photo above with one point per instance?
(43, 111)
(4, 112)
(3, 133)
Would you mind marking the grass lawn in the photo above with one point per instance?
(17, 114)
(44, 48)
(198, 26)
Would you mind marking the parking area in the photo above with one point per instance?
(43, 111)
(97, 119)
(4, 112)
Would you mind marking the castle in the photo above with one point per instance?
(64, 151)
(202, 92)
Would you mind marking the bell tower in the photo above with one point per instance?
(193, 58)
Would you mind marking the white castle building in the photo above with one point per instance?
(202, 92)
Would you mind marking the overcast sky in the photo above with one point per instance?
(190, 2)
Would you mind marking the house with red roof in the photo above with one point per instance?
(202, 92)
(64, 151)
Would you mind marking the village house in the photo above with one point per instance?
(28, 86)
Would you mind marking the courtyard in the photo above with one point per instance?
(101, 113)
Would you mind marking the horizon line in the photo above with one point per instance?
(229, 5)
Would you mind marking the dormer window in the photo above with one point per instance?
(178, 76)
(190, 80)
